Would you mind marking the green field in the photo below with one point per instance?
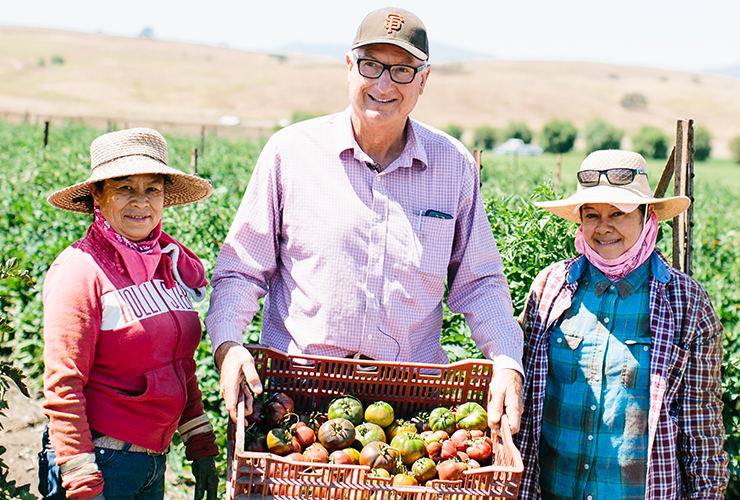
(35, 233)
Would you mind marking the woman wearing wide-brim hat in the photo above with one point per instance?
(120, 332)
(622, 365)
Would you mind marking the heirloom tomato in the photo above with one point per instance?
(442, 419)
(304, 434)
(451, 470)
(277, 408)
(341, 457)
(348, 407)
(479, 448)
(405, 479)
(380, 413)
(424, 469)
(316, 453)
(410, 446)
(379, 455)
(367, 433)
(471, 416)
(281, 442)
(336, 433)
(399, 426)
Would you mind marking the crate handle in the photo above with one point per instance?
(240, 423)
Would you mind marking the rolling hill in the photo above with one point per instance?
(95, 77)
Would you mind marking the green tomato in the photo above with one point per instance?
(410, 446)
(442, 419)
(380, 413)
(471, 416)
(348, 407)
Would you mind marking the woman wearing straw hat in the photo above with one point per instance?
(622, 366)
(120, 332)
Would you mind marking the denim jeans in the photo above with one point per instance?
(126, 475)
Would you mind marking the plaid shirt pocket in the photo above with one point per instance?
(636, 362)
(564, 355)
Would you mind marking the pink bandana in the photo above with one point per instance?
(616, 269)
(140, 257)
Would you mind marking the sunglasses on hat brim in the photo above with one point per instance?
(615, 176)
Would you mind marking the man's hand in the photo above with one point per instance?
(237, 365)
(506, 393)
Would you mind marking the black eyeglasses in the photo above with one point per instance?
(400, 73)
(615, 176)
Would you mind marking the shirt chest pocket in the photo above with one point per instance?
(435, 245)
(563, 356)
(636, 363)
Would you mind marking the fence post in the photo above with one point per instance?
(202, 141)
(46, 133)
(683, 185)
(194, 161)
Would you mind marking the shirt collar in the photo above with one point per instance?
(413, 155)
(655, 265)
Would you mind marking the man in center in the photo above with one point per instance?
(351, 226)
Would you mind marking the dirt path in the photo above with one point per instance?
(21, 436)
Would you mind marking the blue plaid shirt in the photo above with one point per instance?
(685, 431)
(594, 428)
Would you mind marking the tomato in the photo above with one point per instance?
(434, 450)
(377, 473)
(304, 434)
(410, 446)
(479, 448)
(399, 426)
(281, 442)
(277, 408)
(380, 413)
(379, 455)
(460, 439)
(451, 470)
(470, 416)
(442, 419)
(340, 457)
(421, 421)
(449, 450)
(354, 454)
(475, 433)
(424, 469)
(405, 479)
(313, 419)
(257, 411)
(336, 433)
(258, 444)
(348, 407)
(367, 433)
(316, 453)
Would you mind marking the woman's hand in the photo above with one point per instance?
(206, 478)
(506, 393)
(236, 365)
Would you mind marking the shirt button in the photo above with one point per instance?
(645, 348)
(371, 296)
(560, 341)
(597, 378)
(376, 256)
(611, 287)
(590, 438)
(585, 466)
(593, 407)
(379, 217)
(369, 337)
(606, 320)
(589, 497)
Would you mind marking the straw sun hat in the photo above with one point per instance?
(131, 152)
(636, 192)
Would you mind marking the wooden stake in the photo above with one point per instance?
(194, 161)
(202, 141)
(46, 133)
(683, 185)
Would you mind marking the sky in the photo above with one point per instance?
(684, 35)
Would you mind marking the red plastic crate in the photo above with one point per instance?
(313, 381)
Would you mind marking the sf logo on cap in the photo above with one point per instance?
(393, 22)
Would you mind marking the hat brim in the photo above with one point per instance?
(184, 189)
(411, 49)
(665, 208)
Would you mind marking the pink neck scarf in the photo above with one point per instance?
(141, 258)
(616, 269)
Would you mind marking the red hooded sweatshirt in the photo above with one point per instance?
(119, 356)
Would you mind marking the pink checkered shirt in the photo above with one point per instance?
(347, 257)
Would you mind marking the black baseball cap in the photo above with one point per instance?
(397, 27)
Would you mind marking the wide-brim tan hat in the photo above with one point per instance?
(131, 152)
(635, 193)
